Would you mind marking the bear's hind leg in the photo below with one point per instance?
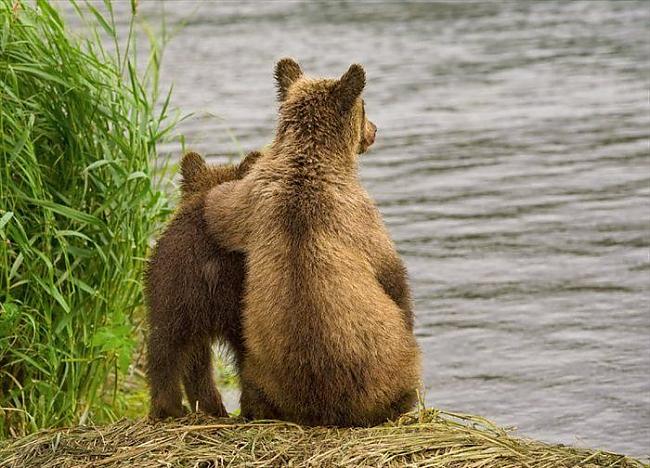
(199, 383)
(403, 404)
(163, 371)
(255, 405)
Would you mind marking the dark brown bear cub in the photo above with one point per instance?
(327, 319)
(193, 290)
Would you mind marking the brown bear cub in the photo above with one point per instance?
(194, 291)
(327, 319)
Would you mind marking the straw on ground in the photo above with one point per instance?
(428, 438)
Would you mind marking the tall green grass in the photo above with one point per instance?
(78, 204)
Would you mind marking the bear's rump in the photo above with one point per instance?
(347, 350)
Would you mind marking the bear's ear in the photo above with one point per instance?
(287, 71)
(191, 165)
(350, 86)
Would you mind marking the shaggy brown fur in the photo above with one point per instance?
(327, 318)
(194, 291)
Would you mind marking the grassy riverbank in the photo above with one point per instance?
(424, 438)
(79, 129)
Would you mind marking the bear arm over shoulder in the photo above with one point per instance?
(226, 214)
(199, 177)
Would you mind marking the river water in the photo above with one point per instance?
(512, 170)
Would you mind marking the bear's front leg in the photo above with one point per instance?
(391, 275)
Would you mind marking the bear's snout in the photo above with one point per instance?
(370, 133)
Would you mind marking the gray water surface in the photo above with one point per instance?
(511, 167)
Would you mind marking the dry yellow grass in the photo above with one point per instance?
(426, 438)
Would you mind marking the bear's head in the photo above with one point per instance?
(324, 112)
